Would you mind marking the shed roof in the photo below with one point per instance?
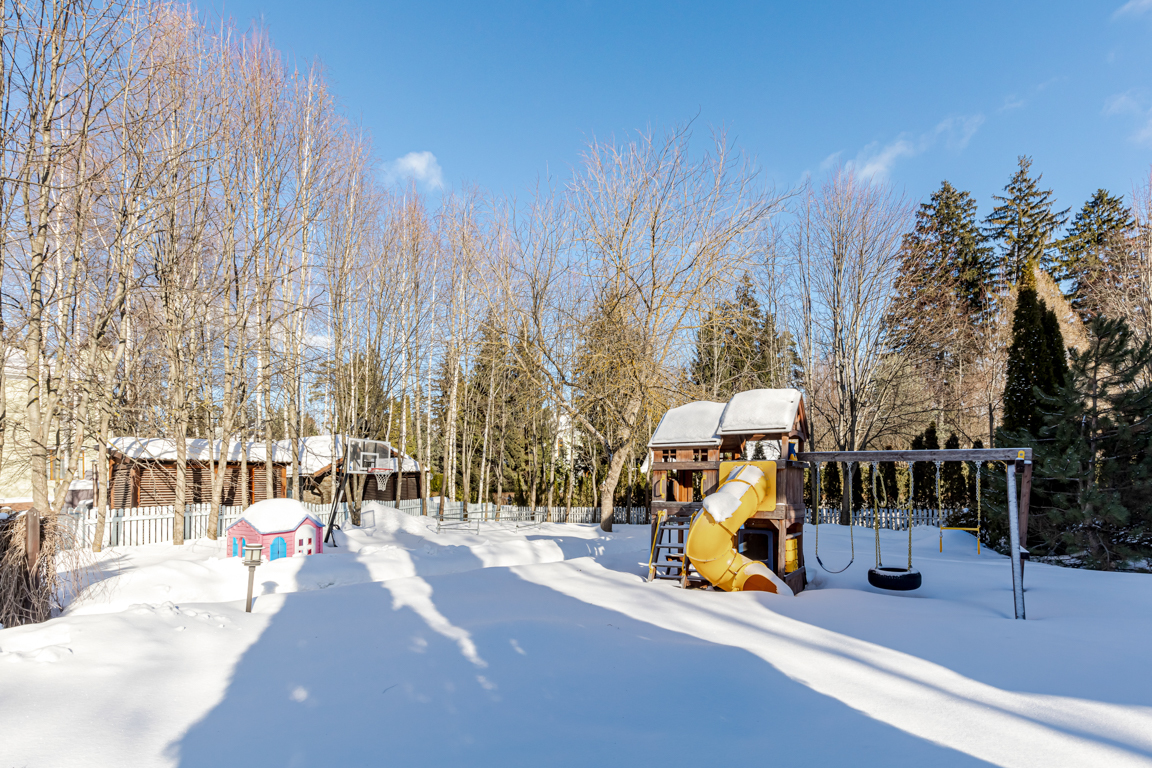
(277, 516)
(692, 424)
(761, 410)
(316, 452)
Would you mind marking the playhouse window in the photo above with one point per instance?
(699, 454)
(668, 455)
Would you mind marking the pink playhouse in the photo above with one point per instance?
(283, 527)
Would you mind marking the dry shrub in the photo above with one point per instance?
(62, 570)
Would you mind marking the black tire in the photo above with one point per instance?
(895, 579)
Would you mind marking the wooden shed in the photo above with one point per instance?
(691, 441)
(143, 472)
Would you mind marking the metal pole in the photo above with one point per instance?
(1014, 539)
(251, 578)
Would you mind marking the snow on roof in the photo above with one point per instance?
(277, 516)
(316, 453)
(761, 410)
(199, 449)
(691, 424)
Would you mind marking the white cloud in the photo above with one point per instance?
(1133, 8)
(1144, 135)
(1122, 104)
(421, 167)
(875, 162)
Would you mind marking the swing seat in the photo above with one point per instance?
(895, 579)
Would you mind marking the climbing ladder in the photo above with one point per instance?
(667, 560)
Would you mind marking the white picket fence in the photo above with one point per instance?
(136, 526)
(892, 519)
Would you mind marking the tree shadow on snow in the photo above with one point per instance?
(486, 668)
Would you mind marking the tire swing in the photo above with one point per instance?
(851, 537)
(888, 577)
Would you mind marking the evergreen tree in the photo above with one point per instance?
(1093, 461)
(947, 243)
(1036, 362)
(738, 347)
(953, 488)
(1023, 223)
(1084, 255)
(923, 472)
(888, 487)
(831, 486)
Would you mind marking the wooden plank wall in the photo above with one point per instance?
(409, 488)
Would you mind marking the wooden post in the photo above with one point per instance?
(32, 544)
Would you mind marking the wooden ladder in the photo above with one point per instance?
(667, 560)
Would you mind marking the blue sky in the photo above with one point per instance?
(501, 93)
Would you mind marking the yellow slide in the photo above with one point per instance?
(712, 540)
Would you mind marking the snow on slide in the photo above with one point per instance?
(545, 646)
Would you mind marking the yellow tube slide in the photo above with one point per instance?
(712, 539)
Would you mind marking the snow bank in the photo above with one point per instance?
(760, 410)
(691, 424)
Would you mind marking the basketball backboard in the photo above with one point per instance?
(366, 457)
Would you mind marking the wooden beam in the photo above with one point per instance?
(962, 454)
(664, 466)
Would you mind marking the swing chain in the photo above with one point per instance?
(875, 514)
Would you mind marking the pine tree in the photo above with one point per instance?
(951, 243)
(953, 488)
(1035, 362)
(1023, 223)
(1093, 463)
(738, 347)
(924, 473)
(1085, 252)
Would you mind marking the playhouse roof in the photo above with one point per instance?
(277, 516)
(691, 424)
(761, 410)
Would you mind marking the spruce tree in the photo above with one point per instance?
(738, 347)
(1093, 463)
(954, 490)
(924, 472)
(1023, 223)
(1085, 253)
(1035, 362)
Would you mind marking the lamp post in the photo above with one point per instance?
(252, 554)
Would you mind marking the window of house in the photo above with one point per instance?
(668, 455)
(699, 454)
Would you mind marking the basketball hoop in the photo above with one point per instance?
(381, 476)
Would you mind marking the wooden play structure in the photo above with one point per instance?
(728, 496)
(693, 452)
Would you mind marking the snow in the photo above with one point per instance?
(277, 516)
(691, 424)
(761, 410)
(723, 503)
(316, 453)
(546, 646)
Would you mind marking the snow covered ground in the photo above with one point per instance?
(546, 647)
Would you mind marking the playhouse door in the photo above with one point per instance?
(278, 549)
